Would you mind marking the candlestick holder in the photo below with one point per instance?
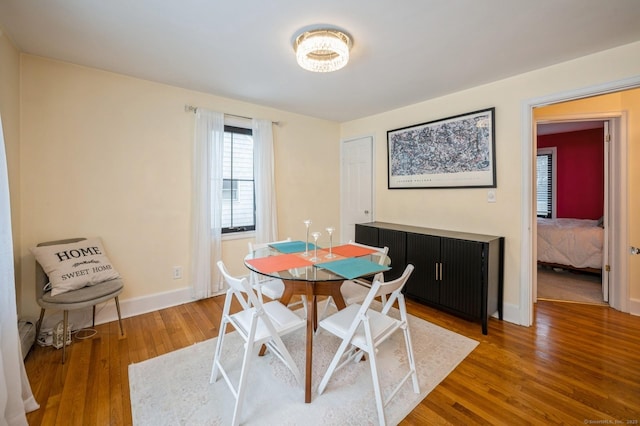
(330, 232)
(315, 236)
(306, 244)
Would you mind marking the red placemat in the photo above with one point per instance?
(279, 263)
(350, 250)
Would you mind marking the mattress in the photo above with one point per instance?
(573, 242)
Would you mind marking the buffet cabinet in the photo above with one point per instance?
(457, 272)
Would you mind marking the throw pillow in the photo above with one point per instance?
(75, 265)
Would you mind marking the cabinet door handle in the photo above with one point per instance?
(440, 271)
(437, 278)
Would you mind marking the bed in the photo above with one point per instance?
(571, 244)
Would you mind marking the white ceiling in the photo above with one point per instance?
(404, 52)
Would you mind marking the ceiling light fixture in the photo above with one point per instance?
(323, 50)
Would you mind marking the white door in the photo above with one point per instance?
(605, 217)
(356, 185)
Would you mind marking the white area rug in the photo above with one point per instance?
(174, 389)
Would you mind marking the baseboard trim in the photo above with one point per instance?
(142, 305)
(155, 302)
(634, 306)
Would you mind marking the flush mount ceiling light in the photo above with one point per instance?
(323, 50)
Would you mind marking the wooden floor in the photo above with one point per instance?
(579, 364)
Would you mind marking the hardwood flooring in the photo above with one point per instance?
(578, 364)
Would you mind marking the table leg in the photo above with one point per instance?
(337, 298)
(311, 323)
(311, 290)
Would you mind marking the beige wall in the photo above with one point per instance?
(10, 112)
(630, 101)
(468, 209)
(108, 155)
(627, 101)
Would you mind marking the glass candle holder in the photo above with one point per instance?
(330, 232)
(306, 245)
(315, 236)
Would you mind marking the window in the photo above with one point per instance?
(546, 182)
(238, 194)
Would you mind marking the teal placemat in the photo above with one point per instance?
(353, 267)
(292, 247)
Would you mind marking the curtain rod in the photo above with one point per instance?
(191, 108)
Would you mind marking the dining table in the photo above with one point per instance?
(311, 271)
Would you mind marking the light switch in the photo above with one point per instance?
(491, 196)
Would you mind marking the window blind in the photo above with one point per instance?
(544, 183)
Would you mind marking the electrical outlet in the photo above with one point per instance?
(491, 196)
(177, 272)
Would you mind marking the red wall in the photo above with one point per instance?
(580, 172)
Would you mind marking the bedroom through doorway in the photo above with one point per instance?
(572, 187)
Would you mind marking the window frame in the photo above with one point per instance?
(236, 230)
(550, 152)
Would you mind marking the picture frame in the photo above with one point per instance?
(452, 152)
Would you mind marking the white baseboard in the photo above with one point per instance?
(141, 305)
(511, 313)
(634, 306)
(106, 312)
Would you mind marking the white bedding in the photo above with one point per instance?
(571, 242)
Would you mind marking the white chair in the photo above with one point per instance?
(355, 291)
(258, 324)
(271, 287)
(362, 331)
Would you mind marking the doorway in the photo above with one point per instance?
(572, 209)
(619, 224)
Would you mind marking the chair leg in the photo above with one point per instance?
(64, 335)
(244, 373)
(39, 323)
(376, 387)
(93, 321)
(412, 360)
(334, 364)
(216, 355)
(119, 316)
(326, 307)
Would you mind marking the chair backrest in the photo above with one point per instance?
(256, 278)
(257, 246)
(238, 287)
(391, 291)
(383, 258)
(41, 278)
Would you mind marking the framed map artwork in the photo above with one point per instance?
(453, 152)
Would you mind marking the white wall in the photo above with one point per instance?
(468, 209)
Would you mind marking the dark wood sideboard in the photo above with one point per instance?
(457, 272)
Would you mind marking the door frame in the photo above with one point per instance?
(620, 300)
(610, 121)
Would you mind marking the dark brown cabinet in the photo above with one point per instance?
(458, 272)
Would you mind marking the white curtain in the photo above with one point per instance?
(16, 398)
(206, 223)
(266, 213)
